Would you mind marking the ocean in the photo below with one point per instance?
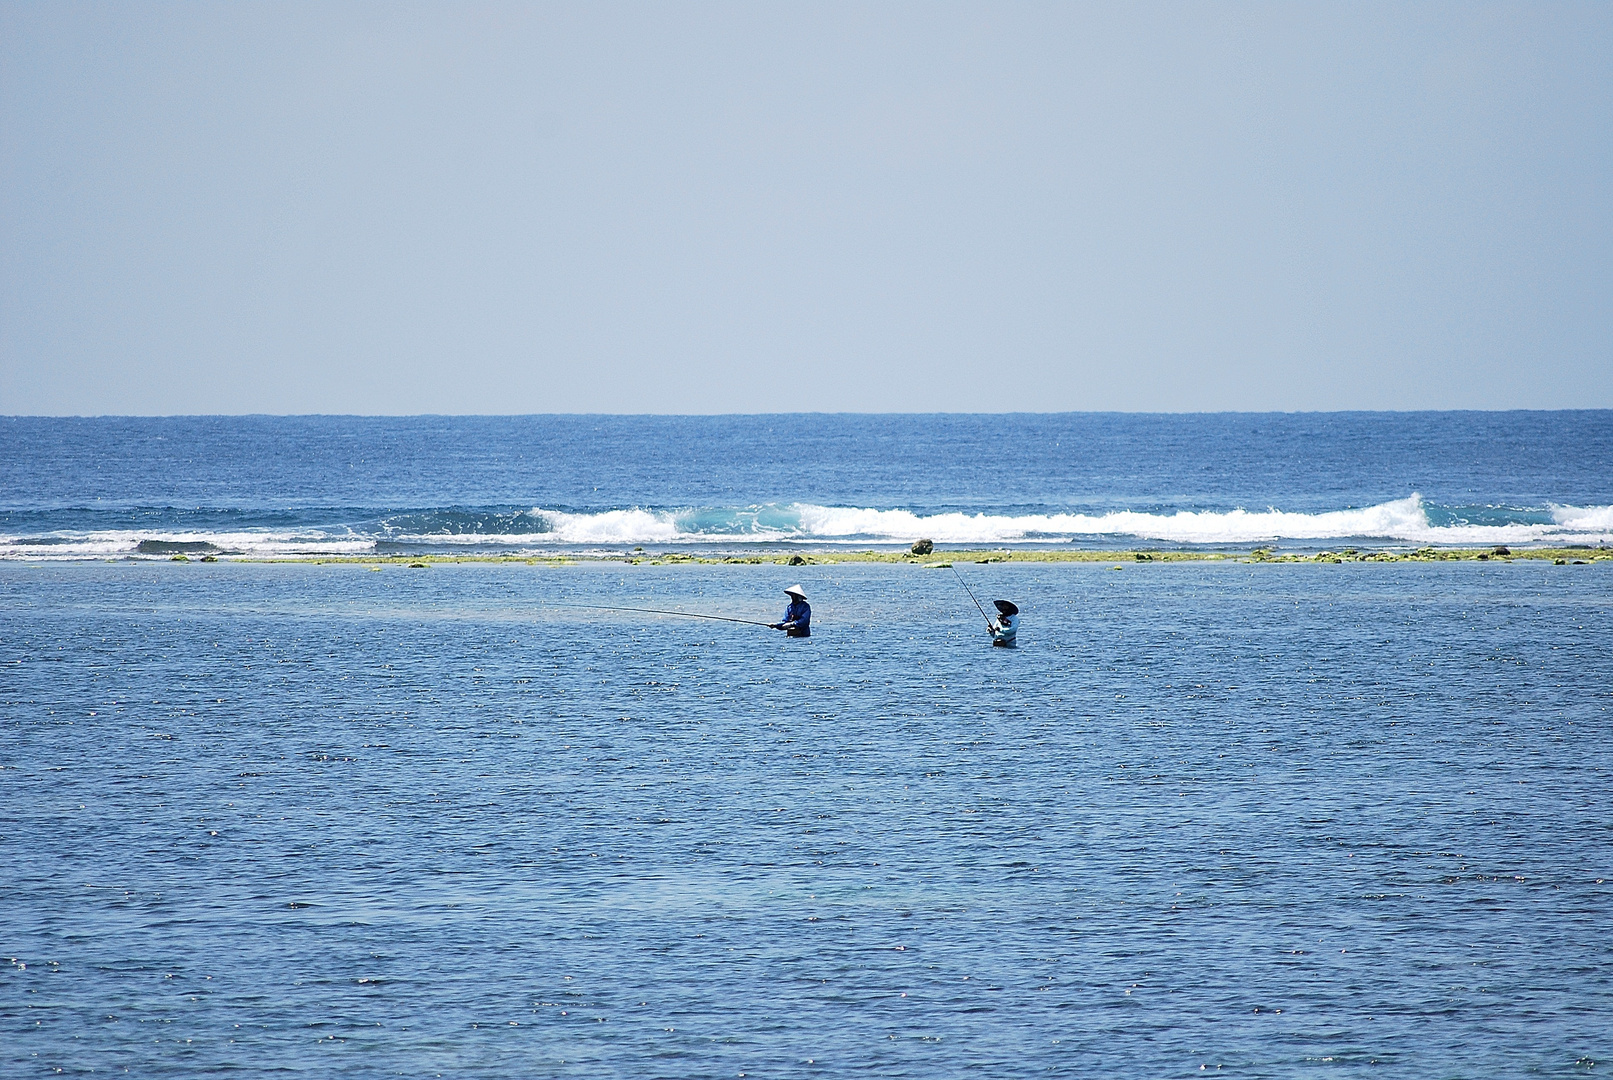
(276, 486)
(481, 819)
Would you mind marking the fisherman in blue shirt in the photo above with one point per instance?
(798, 616)
(1006, 628)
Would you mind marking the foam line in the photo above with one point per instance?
(1402, 521)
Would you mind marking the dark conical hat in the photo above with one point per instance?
(1007, 607)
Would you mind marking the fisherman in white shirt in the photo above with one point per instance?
(1006, 628)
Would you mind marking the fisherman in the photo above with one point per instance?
(1006, 628)
(798, 616)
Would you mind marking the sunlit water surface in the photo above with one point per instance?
(1255, 819)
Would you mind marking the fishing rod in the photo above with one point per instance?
(971, 593)
(660, 611)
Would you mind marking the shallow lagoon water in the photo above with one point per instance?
(1261, 820)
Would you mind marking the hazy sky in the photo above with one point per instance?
(758, 207)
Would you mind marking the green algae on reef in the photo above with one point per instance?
(1568, 555)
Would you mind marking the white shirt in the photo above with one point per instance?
(1004, 630)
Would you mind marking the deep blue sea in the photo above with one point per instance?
(1245, 819)
(260, 485)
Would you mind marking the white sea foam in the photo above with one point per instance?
(615, 527)
(1402, 521)
(1584, 518)
(124, 543)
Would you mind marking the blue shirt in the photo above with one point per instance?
(798, 619)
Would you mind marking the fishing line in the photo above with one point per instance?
(971, 593)
(655, 611)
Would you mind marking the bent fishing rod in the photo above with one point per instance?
(971, 593)
(658, 611)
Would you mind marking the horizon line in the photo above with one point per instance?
(811, 412)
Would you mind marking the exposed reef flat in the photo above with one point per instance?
(938, 559)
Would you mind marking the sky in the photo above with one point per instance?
(399, 208)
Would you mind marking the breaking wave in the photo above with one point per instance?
(1403, 520)
(1407, 521)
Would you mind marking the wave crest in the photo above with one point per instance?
(1402, 521)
